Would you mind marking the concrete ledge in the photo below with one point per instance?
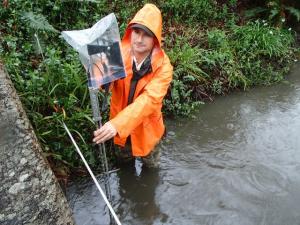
(29, 191)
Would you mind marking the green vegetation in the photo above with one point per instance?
(214, 50)
(276, 11)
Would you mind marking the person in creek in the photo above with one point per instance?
(136, 121)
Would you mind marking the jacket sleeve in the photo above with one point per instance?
(146, 103)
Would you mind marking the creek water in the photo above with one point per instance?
(237, 162)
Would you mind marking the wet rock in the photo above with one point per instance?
(29, 192)
(23, 177)
(23, 161)
(16, 188)
(11, 216)
(11, 173)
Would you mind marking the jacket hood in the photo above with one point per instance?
(149, 16)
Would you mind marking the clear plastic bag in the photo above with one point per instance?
(99, 49)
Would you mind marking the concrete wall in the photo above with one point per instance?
(29, 191)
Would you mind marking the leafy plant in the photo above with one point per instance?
(38, 22)
(193, 10)
(258, 38)
(277, 11)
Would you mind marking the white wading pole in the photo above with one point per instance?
(93, 176)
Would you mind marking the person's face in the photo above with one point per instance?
(141, 42)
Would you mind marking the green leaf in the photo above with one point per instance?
(254, 12)
(79, 134)
(273, 13)
(293, 11)
(47, 132)
(89, 118)
(38, 22)
(53, 89)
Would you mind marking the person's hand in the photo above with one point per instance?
(106, 132)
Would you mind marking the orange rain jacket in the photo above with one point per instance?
(142, 119)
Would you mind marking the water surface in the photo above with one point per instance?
(237, 162)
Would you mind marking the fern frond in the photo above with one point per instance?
(38, 22)
(293, 11)
(254, 12)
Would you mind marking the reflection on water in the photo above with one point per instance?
(237, 163)
(133, 191)
(138, 205)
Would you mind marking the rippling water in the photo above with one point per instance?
(236, 163)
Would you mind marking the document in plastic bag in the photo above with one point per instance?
(99, 49)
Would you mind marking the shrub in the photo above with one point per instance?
(189, 11)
